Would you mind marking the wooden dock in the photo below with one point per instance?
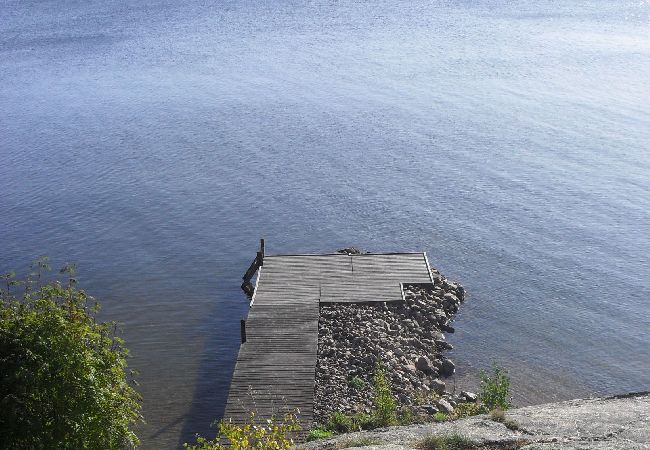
(276, 366)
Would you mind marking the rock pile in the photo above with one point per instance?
(406, 336)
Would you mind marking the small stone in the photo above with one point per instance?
(447, 328)
(451, 297)
(430, 409)
(469, 396)
(437, 385)
(424, 364)
(444, 406)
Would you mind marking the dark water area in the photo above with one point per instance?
(154, 143)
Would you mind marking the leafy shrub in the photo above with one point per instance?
(339, 422)
(495, 389)
(385, 405)
(466, 409)
(318, 433)
(272, 434)
(64, 382)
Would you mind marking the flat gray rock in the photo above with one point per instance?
(613, 423)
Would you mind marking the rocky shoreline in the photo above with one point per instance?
(405, 337)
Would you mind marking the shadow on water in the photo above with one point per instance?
(216, 368)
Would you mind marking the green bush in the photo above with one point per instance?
(339, 422)
(466, 409)
(495, 389)
(385, 405)
(64, 380)
(318, 433)
(271, 434)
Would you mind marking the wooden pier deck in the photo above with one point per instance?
(276, 366)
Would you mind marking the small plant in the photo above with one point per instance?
(357, 383)
(385, 405)
(466, 409)
(318, 433)
(407, 416)
(499, 415)
(495, 389)
(339, 422)
(272, 434)
(426, 398)
(440, 417)
(442, 442)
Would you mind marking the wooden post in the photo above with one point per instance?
(262, 246)
(243, 331)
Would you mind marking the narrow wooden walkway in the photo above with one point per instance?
(275, 369)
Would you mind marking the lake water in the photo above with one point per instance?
(153, 143)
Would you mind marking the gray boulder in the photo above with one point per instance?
(444, 406)
(448, 367)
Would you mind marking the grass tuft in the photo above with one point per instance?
(499, 415)
(446, 442)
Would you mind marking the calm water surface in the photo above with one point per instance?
(154, 142)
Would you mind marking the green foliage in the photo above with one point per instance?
(385, 405)
(440, 417)
(406, 416)
(357, 383)
(426, 397)
(443, 442)
(272, 434)
(383, 414)
(466, 409)
(318, 433)
(64, 380)
(495, 389)
(339, 422)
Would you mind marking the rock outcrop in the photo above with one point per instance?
(613, 423)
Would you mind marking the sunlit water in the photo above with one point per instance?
(153, 143)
